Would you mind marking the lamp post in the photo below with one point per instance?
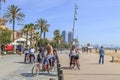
(75, 18)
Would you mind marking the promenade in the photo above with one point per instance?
(90, 69)
(12, 67)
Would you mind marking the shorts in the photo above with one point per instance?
(39, 60)
(76, 57)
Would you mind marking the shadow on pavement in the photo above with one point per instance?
(46, 74)
(50, 74)
(23, 63)
(20, 62)
(67, 68)
(27, 74)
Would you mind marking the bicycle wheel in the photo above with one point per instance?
(27, 58)
(35, 70)
(32, 58)
(45, 68)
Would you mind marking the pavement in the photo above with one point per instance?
(90, 69)
(12, 67)
(1, 56)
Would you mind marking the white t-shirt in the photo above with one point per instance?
(74, 53)
(32, 50)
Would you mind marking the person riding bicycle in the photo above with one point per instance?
(73, 55)
(49, 57)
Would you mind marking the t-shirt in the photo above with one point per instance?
(101, 51)
(32, 50)
(74, 53)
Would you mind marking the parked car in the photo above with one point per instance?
(9, 47)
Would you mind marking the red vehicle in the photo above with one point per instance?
(9, 47)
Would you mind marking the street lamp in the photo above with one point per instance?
(75, 18)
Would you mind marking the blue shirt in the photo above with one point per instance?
(101, 51)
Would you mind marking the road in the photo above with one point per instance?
(12, 67)
(90, 69)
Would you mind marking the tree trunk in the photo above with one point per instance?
(36, 44)
(44, 35)
(40, 34)
(26, 38)
(31, 40)
(13, 28)
(0, 50)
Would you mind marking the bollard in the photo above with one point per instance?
(57, 60)
(58, 68)
(60, 77)
(58, 65)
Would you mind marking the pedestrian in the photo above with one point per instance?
(26, 52)
(41, 51)
(32, 56)
(101, 55)
(115, 49)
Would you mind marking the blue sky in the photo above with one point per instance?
(98, 21)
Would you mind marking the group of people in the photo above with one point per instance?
(29, 53)
(49, 59)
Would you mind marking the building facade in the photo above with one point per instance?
(64, 36)
(69, 37)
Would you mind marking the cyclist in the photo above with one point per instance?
(73, 55)
(49, 57)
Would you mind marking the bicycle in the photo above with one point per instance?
(75, 62)
(41, 67)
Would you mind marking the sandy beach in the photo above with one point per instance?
(90, 69)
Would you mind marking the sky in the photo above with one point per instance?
(98, 21)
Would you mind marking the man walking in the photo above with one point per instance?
(101, 53)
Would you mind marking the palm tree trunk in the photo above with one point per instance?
(13, 29)
(26, 38)
(0, 50)
(40, 34)
(31, 40)
(36, 44)
(44, 35)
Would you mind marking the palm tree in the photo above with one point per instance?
(45, 29)
(12, 14)
(57, 36)
(25, 31)
(40, 24)
(31, 31)
(36, 38)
